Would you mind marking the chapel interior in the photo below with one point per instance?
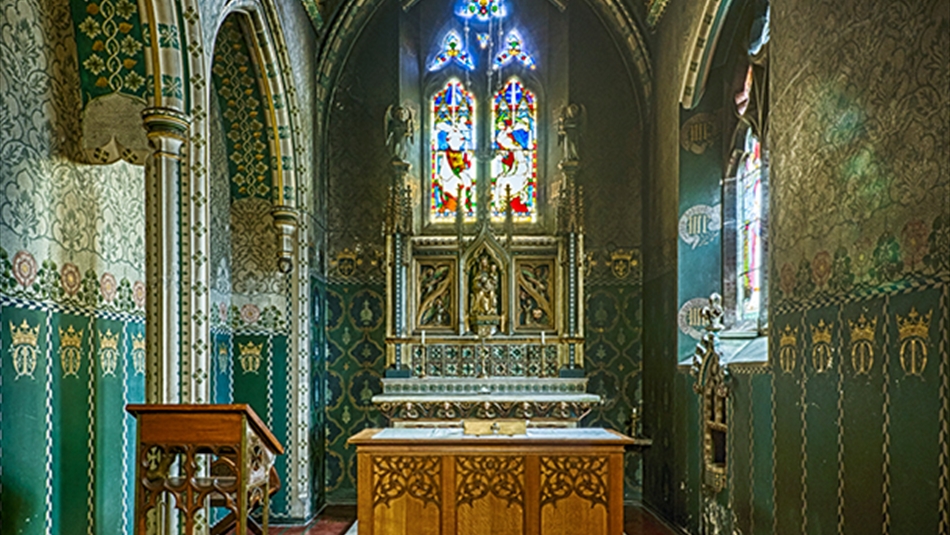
(720, 228)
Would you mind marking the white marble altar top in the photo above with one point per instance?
(417, 433)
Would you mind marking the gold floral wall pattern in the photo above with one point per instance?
(859, 144)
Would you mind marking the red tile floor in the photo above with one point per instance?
(336, 520)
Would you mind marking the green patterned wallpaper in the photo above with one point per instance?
(71, 290)
(109, 41)
(236, 78)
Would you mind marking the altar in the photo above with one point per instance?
(440, 481)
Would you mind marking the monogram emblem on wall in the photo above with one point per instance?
(24, 349)
(788, 349)
(862, 344)
(821, 350)
(699, 225)
(108, 352)
(69, 343)
(914, 331)
(699, 132)
(623, 262)
(138, 353)
(250, 356)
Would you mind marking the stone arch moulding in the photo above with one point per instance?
(265, 40)
(702, 47)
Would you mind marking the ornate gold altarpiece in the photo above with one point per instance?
(486, 323)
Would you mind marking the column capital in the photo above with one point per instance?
(166, 121)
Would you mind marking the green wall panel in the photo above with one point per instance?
(72, 421)
(788, 442)
(820, 406)
(914, 388)
(761, 478)
(862, 424)
(23, 424)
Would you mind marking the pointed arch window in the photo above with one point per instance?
(514, 169)
(453, 153)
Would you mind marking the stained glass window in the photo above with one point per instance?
(514, 145)
(749, 204)
(452, 49)
(513, 50)
(482, 10)
(453, 152)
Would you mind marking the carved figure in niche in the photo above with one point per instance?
(484, 280)
(434, 296)
(399, 131)
(534, 295)
(570, 123)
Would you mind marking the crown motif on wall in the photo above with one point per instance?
(70, 338)
(24, 334)
(914, 325)
(250, 349)
(789, 336)
(108, 340)
(862, 329)
(821, 333)
(138, 342)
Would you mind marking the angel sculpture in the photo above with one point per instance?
(570, 124)
(399, 130)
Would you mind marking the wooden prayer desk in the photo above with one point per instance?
(438, 481)
(239, 453)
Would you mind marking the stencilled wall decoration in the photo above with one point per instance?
(914, 331)
(862, 344)
(249, 355)
(23, 351)
(70, 355)
(138, 353)
(699, 132)
(821, 349)
(108, 352)
(436, 302)
(235, 76)
(535, 298)
(690, 317)
(700, 224)
(788, 349)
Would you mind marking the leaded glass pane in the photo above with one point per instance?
(749, 242)
(514, 145)
(453, 153)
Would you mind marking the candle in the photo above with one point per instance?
(423, 338)
(542, 337)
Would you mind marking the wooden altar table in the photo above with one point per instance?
(438, 481)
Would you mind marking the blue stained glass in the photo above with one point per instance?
(514, 167)
(750, 200)
(513, 51)
(452, 50)
(482, 10)
(452, 153)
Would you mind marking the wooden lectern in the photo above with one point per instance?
(230, 442)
